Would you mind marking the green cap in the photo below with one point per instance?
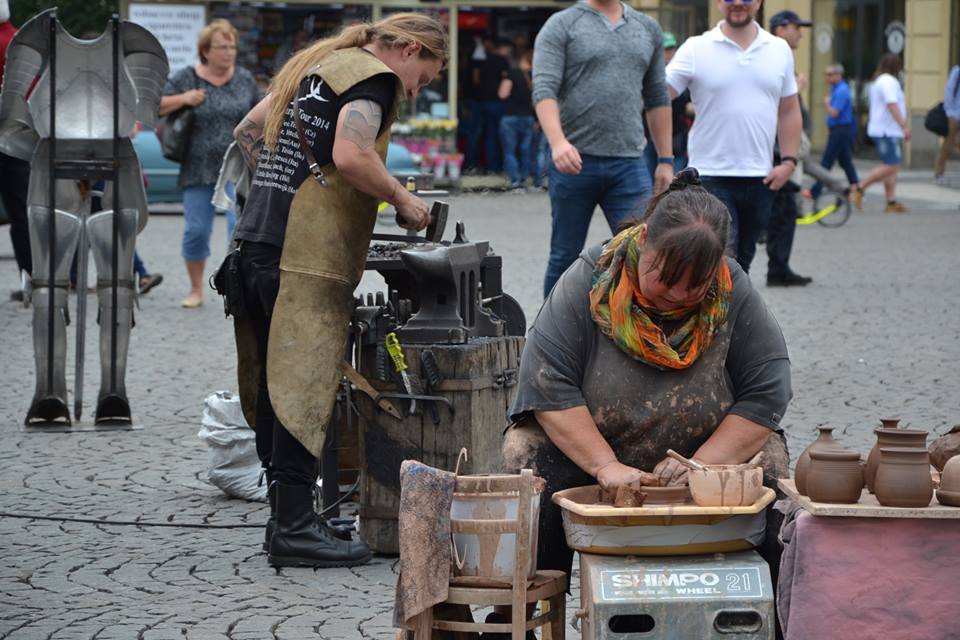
(669, 40)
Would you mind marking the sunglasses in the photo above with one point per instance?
(741, 1)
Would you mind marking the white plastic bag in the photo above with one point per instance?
(232, 463)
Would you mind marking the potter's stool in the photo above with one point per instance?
(549, 586)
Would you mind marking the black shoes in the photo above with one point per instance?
(788, 280)
(301, 538)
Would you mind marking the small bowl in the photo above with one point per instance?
(948, 498)
(726, 485)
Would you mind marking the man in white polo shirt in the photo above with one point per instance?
(745, 95)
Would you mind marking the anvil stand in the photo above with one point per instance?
(91, 171)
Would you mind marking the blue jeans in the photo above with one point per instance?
(539, 157)
(839, 145)
(198, 215)
(493, 111)
(516, 134)
(621, 186)
(471, 127)
(749, 202)
(890, 149)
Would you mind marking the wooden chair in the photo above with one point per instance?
(546, 586)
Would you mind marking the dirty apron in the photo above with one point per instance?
(324, 253)
(641, 412)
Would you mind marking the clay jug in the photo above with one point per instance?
(824, 442)
(891, 438)
(834, 476)
(903, 477)
(949, 491)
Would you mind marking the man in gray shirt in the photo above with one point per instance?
(596, 66)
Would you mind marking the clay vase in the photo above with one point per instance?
(889, 423)
(824, 442)
(891, 438)
(834, 477)
(949, 491)
(903, 477)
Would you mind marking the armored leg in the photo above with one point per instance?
(50, 329)
(115, 314)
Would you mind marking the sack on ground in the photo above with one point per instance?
(232, 462)
(936, 120)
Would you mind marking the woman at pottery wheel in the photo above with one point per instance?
(655, 340)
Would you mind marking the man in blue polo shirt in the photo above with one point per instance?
(843, 129)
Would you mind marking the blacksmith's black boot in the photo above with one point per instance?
(302, 539)
(272, 499)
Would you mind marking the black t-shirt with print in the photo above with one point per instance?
(279, 175)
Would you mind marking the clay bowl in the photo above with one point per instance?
(726, 485)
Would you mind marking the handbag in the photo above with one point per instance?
(936, 120)
(174, 129)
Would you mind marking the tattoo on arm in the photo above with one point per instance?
(361, 122)
(250, 140)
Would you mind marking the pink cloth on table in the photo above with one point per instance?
(871, 578)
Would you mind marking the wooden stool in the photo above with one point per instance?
(548, 586)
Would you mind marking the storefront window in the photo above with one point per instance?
(271, 34)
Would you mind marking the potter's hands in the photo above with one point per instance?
(670, 473)
(613, 475)
(566, 158)
(412, 212)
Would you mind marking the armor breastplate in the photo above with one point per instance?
(84, 97)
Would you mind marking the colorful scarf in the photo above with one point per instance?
(627, 318)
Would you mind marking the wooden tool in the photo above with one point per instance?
(361, 383)
(687, 462)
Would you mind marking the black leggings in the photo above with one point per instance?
(289, 460)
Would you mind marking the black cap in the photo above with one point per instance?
(784, 18)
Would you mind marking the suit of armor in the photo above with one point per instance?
(57, 110)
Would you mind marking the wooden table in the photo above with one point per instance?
(868, 507)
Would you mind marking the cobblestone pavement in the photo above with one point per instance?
(118, 535)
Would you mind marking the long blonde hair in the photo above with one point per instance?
(397, 30)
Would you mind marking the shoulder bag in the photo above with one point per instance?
(174, 131)
(936, 119)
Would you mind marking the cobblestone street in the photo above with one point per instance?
(119, 535)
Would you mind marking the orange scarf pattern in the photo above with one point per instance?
(627, 318)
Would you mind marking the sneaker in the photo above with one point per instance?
(940, 181)
(896, 207)
(856, 197)
(789, 280)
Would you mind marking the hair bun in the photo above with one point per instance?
(689, 177)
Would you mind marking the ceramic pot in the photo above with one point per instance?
(903, 477)
(824, 442)
(834, 477)
(949, 491)
(889, 423)
(892, 438)
(726, 485)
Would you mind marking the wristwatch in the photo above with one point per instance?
(792, 159)
(665, 160)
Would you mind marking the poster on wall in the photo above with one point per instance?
(176, 26)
